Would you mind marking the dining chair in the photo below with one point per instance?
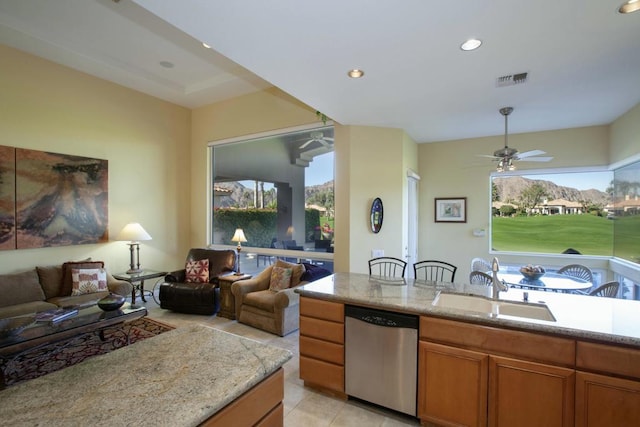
(609, 290)
(480, 264)
(387, 267)
(480, 278)
(437, 271)
(577, 270)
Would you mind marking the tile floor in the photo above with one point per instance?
(302, 405)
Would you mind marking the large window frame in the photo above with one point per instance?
(293, 151)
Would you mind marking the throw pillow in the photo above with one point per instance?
(67, 283)
(197, 271)
(296, 271)
(280, 278)
(88, 280)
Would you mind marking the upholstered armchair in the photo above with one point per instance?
(200, 295)
(270, 310)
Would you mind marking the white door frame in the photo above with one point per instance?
(411, 254)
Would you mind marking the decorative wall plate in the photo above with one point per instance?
(377, 212)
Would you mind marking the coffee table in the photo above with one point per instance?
(89, 319)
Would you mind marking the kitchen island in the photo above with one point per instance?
(193, 375)
(578, 366)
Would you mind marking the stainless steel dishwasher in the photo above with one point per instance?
(381, 357)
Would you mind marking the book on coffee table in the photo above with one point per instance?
(56, 315)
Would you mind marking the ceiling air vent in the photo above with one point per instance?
(512, 79)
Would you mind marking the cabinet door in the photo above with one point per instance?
(530, 394)
(452, 385)
(606, 401)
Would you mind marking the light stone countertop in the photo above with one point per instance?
(178, 378)
(609, 320)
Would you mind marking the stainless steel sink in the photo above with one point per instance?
(479, 304)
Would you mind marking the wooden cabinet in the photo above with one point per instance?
(530, 394)
(470, 379)
(452, 385)
(322, 345)
(602, 397)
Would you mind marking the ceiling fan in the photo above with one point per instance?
(317, 137)
(507, 155)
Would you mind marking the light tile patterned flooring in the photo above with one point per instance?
(302, 406)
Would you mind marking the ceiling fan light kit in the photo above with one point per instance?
(506, 156)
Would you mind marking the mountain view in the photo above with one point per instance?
(510, 188)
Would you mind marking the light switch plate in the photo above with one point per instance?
(377, 253)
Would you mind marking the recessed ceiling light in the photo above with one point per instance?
(206, 45)
(630, 6)
(355, 73)
(166, 64)
(471, 44)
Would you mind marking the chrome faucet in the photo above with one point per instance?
(497, 285)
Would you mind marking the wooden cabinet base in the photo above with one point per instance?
(261, 406)
(606, 401)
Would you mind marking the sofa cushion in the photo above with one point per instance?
(88, 280)
(197, 271)
(50, 280)
(19, 288)
(264, 300)
(296, 271)
(280, 278)
(67, 282)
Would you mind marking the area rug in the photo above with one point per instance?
(51, 357)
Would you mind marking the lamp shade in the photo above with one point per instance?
(133, 232)
(238, 236)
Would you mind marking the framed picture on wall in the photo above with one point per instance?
(452, 209)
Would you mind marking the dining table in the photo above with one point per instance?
(549, 282)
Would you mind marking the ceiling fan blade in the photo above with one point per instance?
(306, 143)
(536, 159)
(530, 153)
(487, 155)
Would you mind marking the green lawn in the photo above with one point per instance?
(589, 234)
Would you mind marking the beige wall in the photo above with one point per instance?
(625, 135)
(48, 107)
(452, 169)
(158, 163)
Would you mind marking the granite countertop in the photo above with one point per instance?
(178, 378)
(608, 320)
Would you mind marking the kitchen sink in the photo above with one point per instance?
(480, 304)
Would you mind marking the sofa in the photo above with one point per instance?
(48, 287)
(200, 296)
(264, 306)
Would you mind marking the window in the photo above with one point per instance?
(553, 212)
(625, 212)
(279, 189)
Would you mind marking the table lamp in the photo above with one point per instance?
(134, 233)
(238, 236)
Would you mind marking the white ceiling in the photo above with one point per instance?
(583, 58)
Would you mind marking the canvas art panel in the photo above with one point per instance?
(61, 199)
(7, 198)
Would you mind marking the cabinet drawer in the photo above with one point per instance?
(320, 309)
(323, 350)
(323, 374)
(608, 359)
(322, 329)
(526, 345)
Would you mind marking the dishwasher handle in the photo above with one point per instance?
(381, 317)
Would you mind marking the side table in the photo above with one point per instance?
(137, 280)
(227, 300)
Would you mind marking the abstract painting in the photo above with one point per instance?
(61, 199)
(7, 198)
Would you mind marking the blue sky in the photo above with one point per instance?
(320, 170)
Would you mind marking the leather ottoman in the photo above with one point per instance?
(192, 298)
